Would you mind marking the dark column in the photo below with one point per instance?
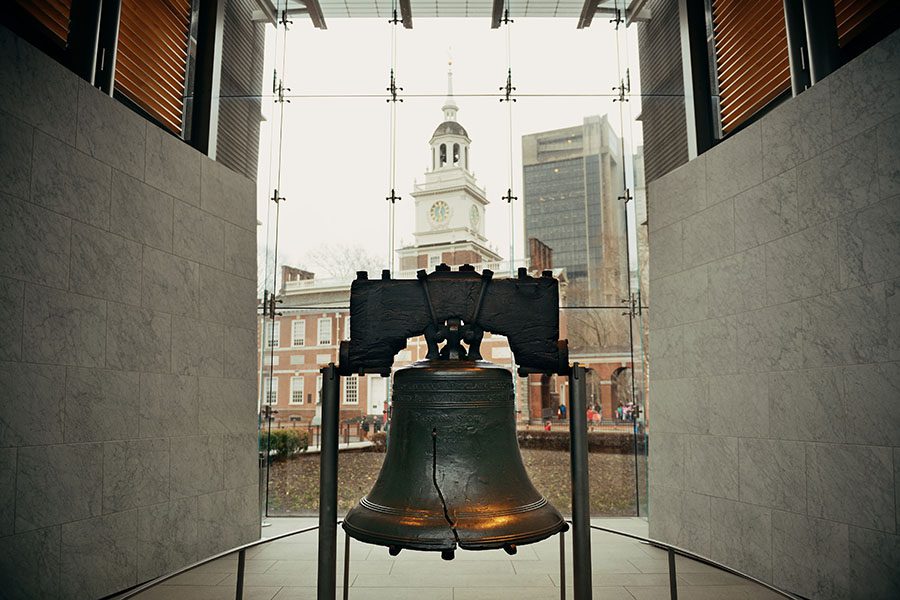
(327, 579)
(581, 512)
(107, 45)
(796, 40)
(205, 115)
(821, 37)
(84, 29)
(695, 63)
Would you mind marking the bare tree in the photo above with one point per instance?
(342, 261)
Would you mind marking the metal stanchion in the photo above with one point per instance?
(346, 566)
(562, 565)
(673, 585)
(239, 588)
(581, 514)
(327, 583)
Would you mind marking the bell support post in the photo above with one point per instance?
(327, 577)
(581, 512)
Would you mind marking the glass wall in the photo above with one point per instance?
(546, 172)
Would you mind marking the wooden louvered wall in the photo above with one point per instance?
(662, 90)
(751, 57)
(852, 16)
(151, 61)
(52, 14)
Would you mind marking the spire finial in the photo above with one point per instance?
(450, 107)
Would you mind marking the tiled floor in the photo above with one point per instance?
(623, 569)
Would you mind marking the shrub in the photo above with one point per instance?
(379, 440)
(610, 442)
(284, 443)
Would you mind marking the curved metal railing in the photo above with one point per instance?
(672, 552)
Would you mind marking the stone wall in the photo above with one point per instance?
(775, 316)
(127, 342)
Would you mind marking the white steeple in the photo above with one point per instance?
(450, 106)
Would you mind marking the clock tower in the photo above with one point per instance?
(450, 206)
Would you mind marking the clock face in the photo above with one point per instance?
(440, 212)
(474, 215)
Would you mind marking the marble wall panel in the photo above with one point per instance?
(767, 211)
(810, 556)
(167, 537)
(680, 298)
(709, 234)
(803, 264)
(99, 556)
(668, 353)
(12, 315)
(135, 473)
(34, 243)
(737, 283)
(806, 405)
(667, 459)
(169, 405)
(29, 563)
(892, 298)
(870, 401)
(196, 464)
(241, 464)
(7, 491)
(32, 411)
(138, 339)
(197, 347)
(770, 339)
(888, 140)
(678, 194)
(897, 486)
(851, 484)
(874, 557)
(58, 484)
(111, 132)
(741, 537)
(841, 180)
(227, 194)
(867, 90)
(845, 327)
(242, 504)
(199, 236)
(240, 251)
(105, 265)
(63, 328)
(797, 130)
(695, 520)
(172, 166)
(227, 298)
(101, 404)
(213, 529)
(16, 138)
(869, 243)
(667, 245)
(680, 405)
(710, 347)
(665, 506)
(711, 465)
(171, 283)
(70, 182)
(773, 473)
(48, 86)
(227, 405)
(735, 164)
(240, 353)
(140, 212)
(739, 406)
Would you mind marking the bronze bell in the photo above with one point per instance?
(453, 475)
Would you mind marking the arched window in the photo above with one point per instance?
(433, 159)
(466, 157)
(443, 154)
(455, 154)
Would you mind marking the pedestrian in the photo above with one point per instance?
(547, 425)
(562, 412)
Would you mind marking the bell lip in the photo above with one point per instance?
(451, 364)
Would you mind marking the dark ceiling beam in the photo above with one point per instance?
(315, 14)
(633, 12)
(406, 14)
(587, 13)
(497, 14)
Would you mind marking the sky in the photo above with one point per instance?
(335, 167)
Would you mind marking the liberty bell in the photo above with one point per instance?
(453, 475)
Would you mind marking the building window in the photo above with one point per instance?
(325, 331)
(296, 390)
(298, 333)
(318, 389)
(455, 154)
(434, 260)
(272, 333)
(347, 328)
(351, 388)
(443, 155)
(271, 390)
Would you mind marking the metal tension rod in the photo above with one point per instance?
(327, 578)
(581, 513)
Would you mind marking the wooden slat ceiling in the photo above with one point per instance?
(751, 57)
(851, 16)
(52, 14)
(151, 62)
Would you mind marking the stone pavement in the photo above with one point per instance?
(623, 569)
